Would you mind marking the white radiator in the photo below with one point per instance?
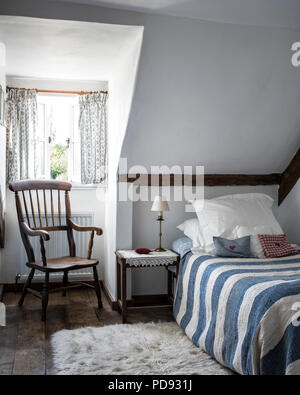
(58, 246)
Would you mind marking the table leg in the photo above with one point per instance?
(124, 293)
(118, 269)
(170, 280)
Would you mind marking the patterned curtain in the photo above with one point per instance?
(92, 127)
(21, 120)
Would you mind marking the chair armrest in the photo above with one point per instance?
(30, 232)
(79, 228)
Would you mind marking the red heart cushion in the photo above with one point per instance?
(232, 247)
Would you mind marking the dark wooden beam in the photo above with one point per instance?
(241, 179)
(286, 181)
(289, 178)
(210, 180)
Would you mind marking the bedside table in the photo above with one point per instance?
(130, 259)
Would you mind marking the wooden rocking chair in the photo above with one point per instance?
(41, 226)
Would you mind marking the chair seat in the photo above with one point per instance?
(63, 263)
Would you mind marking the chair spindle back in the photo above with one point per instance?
(39, 205)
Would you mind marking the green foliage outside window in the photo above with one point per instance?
(58, 154)
(59, 162)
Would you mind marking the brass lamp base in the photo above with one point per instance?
(160, 219)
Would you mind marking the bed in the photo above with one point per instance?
(243, 312)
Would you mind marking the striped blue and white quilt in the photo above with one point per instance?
(243, 312)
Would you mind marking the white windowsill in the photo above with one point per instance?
(88, 187)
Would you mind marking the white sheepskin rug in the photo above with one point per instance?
(152, 348)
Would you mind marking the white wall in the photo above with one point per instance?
(2, 141)
(2, 128)
(121, 94)
(289, 214)
(60, 85)
(214, 95)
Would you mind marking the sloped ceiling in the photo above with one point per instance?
(52, 49)
(252, 12)
(221, 95)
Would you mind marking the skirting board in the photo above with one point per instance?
(136, 299)
(38, 285)
(113, 303)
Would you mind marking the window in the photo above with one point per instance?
(58, 137)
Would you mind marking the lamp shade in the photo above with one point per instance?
(160, 204)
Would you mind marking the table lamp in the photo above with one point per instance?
(160, 204)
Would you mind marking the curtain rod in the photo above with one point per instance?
(52, 91)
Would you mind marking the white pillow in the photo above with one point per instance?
(191, 229)
(249, 196)
(220, 216)
(255, 246)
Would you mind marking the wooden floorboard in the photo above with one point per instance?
(8, 341)
(57, 320)
(25, 343)
(30, 350)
